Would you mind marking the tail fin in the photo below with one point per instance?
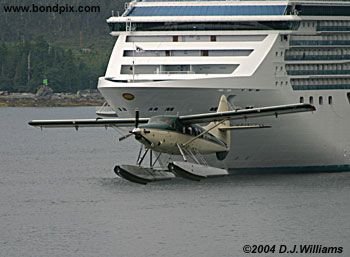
(224, 136)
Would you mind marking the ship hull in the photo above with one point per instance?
(264, 53)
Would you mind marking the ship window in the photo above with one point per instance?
(330, 100)
(207, 10)
(204, 53)
(175, 38)
(180, 69)
(301, 99)
(320, 100)
(348, 95)
(214, 52)
(311, 99)
(213, 38)
(169, 109)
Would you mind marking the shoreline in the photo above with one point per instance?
(59, 100)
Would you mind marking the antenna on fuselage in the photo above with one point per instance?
(137, 118)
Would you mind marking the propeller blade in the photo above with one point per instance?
(137, 117)
(125, 137)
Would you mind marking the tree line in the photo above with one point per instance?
(71, 50)
(53, 25)
(24, 65)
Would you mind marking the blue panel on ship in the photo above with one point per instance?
(208, 10)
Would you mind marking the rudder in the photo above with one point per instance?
(224, 136)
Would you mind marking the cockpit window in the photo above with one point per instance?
(169, 121)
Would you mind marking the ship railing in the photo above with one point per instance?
(319, 72)
(316, 57)
(318, 42)
(321, 87)
(174, 72)
(332, 28)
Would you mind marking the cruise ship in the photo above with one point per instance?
(179, 57)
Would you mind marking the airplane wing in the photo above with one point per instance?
(77, 123)
(247, 113)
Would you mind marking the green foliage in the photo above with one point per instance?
(71, 50)
(24, 65)
(54, 26)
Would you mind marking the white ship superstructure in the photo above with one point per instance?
(180, 56)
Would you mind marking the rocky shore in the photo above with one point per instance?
(81, 98)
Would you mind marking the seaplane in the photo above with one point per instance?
(183, 136)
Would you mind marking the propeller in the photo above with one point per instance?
(131, 132)
(136, 131)
(125, 137)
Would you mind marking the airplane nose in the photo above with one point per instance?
(136, 131)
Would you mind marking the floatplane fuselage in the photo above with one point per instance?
(166, 138)
(180, 135)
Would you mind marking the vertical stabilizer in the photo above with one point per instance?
(224, 136)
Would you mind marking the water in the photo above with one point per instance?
(60, 197)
